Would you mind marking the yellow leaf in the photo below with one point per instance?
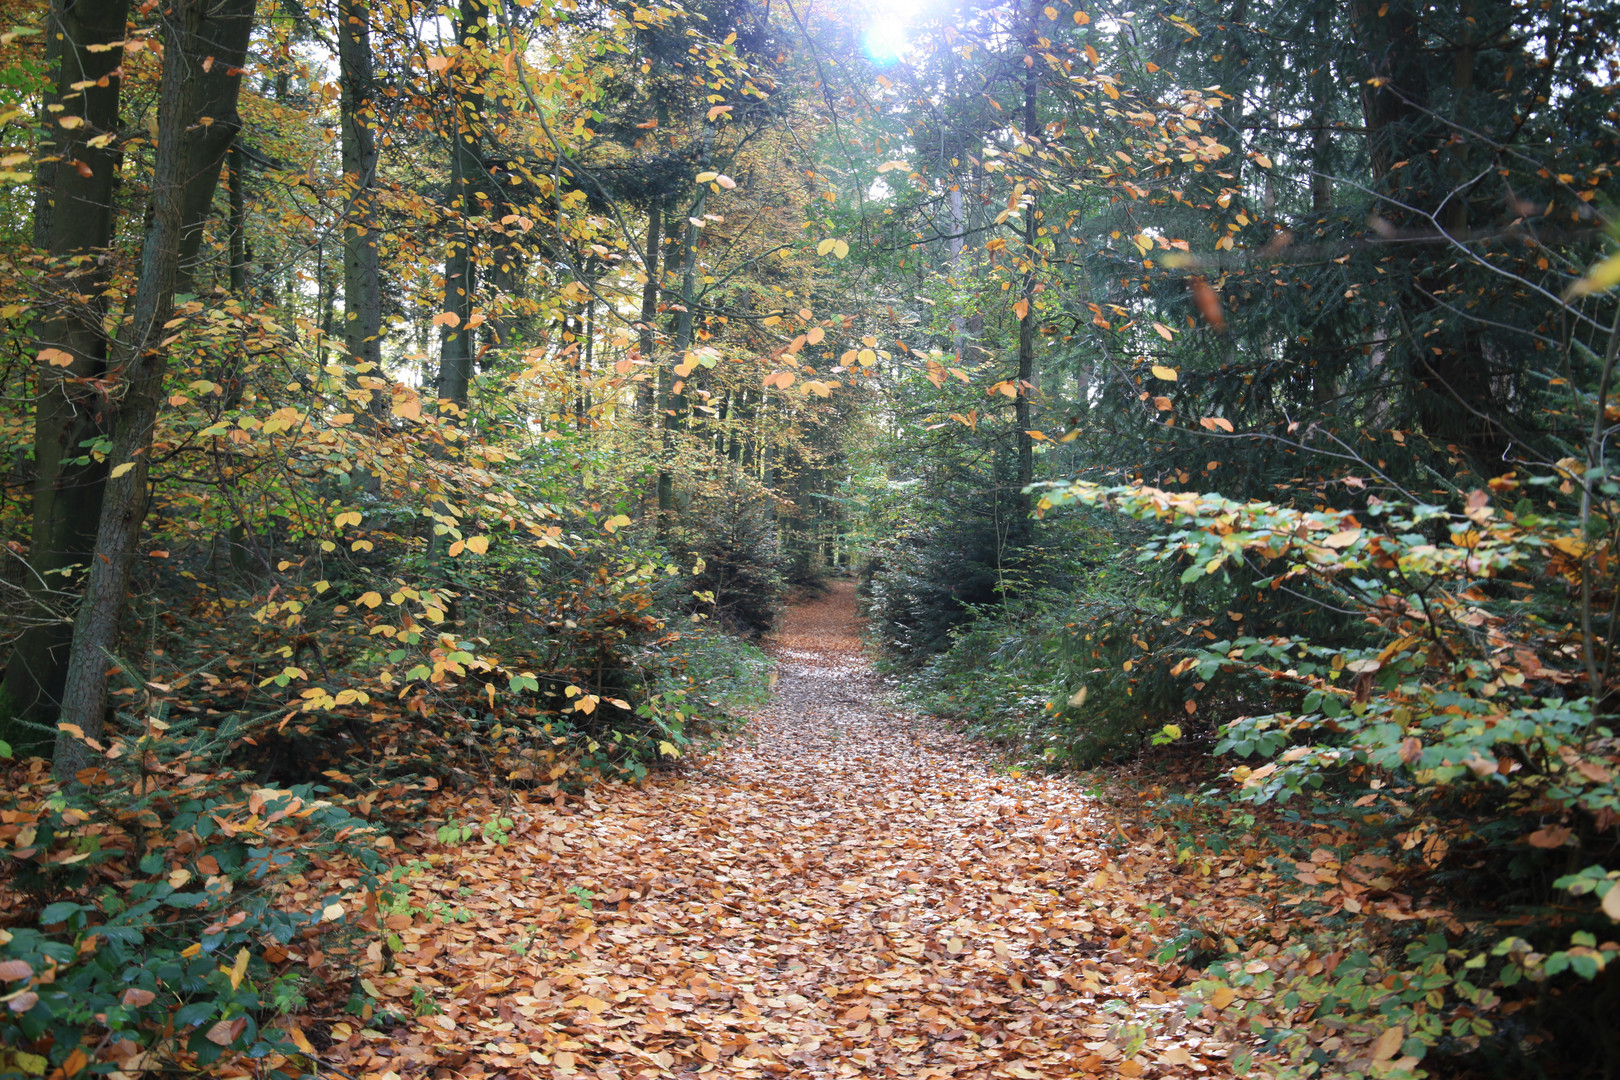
(1343, 539)
(1081, 18)
(1168, 374)
(477, 544)
(239, 969)
(332, 912)
(1601, 278)
(1389, 1043)
(371, 599)
(71, 122)
(866, 357)
(1021, 309)
(120, 470)
(887, 165)
(668, 749)
(1222, 997)
(705, 177)
(825, 246)
(815, 335)
(1078, 698)
(1611, 902)
(840, 249)
(717, 112)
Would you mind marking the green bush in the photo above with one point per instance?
(732, 544)
(150, 920)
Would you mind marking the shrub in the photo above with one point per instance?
(150, 922)
(735, 552)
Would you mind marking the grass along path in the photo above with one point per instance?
(847, 890)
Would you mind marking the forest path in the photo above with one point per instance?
(847, 890)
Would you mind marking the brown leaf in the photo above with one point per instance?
(224, 1032)
(1549, 836)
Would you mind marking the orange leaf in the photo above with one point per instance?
(1550, 836)
(1208, 304)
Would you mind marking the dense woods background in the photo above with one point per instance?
(398, 399)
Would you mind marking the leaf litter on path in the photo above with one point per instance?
(845, 890)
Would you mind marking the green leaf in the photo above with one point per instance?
(59, 912)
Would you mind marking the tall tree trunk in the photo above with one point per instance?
(235, 171)
(362, 267)
(1026, 323)
(466, 165)
(648, 334)
(674, 403)
(56, 43)
(75, 220)
(205, 48)
(1322, 121)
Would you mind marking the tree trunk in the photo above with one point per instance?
(205, 48)
(235, 165)
(74, 219)
(674, 403)
(649, 304)
(1026, 322)
(362, 268)
(466, 165)
(1321, 123)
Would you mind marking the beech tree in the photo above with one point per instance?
(74, 221)
(205, 47)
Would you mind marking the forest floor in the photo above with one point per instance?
(845, 889)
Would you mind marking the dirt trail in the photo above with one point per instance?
(846, 891)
